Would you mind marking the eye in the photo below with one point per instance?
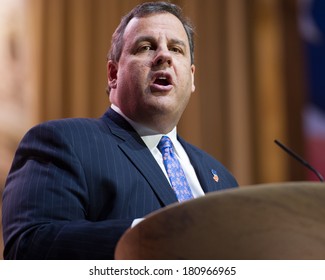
(176, 50)
(145, 48)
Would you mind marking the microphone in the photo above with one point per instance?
(300, 159)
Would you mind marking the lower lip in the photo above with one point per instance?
(160, 88)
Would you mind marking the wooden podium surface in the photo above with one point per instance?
(269, 221)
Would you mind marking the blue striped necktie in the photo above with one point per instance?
(174, 170)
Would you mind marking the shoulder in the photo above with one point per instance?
(63, 134)
(64, 139)
(68, 124)
(69, 127)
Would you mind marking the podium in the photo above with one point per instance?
(259, 222)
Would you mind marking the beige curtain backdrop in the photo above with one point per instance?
(249, 76)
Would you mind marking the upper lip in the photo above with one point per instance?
(164, 75)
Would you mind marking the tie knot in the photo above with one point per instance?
(164, 143)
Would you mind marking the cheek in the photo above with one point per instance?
(134, 71)
(188, 81)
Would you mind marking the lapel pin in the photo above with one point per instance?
(215, 175)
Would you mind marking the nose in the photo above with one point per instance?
(162, 57)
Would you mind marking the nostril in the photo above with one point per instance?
(162, 58)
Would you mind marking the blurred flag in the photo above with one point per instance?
(312, 30)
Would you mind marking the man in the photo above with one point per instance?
(76, 185)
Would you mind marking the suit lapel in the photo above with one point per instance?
(203, 172)
(138, 153)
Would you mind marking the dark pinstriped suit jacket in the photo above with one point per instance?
(77, 184)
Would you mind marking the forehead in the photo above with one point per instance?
(156, 25)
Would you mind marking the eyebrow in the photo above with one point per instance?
(152, 39)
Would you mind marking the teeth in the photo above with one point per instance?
(162, 80)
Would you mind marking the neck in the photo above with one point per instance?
(146, 127)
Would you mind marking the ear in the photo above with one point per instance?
(112, 74)
(192, 74)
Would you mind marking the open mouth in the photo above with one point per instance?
(162, 81)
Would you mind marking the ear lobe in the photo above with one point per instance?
(112, 74)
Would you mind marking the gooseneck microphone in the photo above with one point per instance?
(300, 159)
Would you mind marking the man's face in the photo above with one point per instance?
(154, 78)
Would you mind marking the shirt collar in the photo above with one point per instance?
(150, 137)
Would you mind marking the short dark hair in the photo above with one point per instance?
(143, 10)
